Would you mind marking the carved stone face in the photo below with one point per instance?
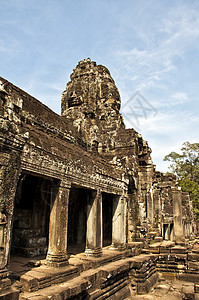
(92, 101)
(111, 96)
(91, 87)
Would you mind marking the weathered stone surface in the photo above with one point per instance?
(81, 183)
(193, 256)
(188, 292)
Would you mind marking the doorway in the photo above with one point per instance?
(31, 215)
(77, 220)
(107, 219)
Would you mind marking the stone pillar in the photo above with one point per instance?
(171, 232)
(167, 231)
(177, 215)
(149, 207)
(57, 253)
(126, 220)
(11, 146)
(157, 209)
(118, 224)
(94, 225)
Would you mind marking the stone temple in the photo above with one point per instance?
(83, 212)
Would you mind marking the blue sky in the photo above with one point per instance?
(150, 47)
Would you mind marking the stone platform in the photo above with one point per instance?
(169, 289)
(114, 275)
(107, 277)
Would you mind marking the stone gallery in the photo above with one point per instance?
(83, 212)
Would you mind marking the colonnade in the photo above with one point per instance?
(57, 248)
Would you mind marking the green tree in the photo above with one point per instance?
(186, 167)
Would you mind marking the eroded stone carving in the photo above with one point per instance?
(3, 222)
(82, 182)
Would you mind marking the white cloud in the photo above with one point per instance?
(166, 132)
(179, 98)
(154, 64)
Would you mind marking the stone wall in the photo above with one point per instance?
(82, 163)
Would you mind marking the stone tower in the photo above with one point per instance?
(92, 101)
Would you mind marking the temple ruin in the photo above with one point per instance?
(83, 212)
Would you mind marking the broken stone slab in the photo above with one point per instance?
(146, 268)
(112, 269)
(164, 256)
(142, 277)
(178, 257)
(193, 257)
(43, 276)
(76, 286)
(121, 291)
(176, 285)
(72, 288)
(158, 239)
(197, 296)
(136, 247)
(82, 265)
(117, 288)
(196, 287)
(179, 250)
(95, 277)
(167, 244)
(172, 259)
(5, 284)
(155, 245)
(11, 294)
(136, 262)
(161, 289)
(146, 251)
(152, 234)
(171, 267)
(193, 266)
(96, 262)
(188, 277)
(172, 296)
(188, 292)
(196, 248)
(146, 286)
(34, 263)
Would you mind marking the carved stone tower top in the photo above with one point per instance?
(92, 88)
(92, 101)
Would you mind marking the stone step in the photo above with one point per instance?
(11, 294)
(87, 281)
(99, 283)
(30, 241)
(74, 287)
(30, 252)
(44, 276)
(21, 232)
